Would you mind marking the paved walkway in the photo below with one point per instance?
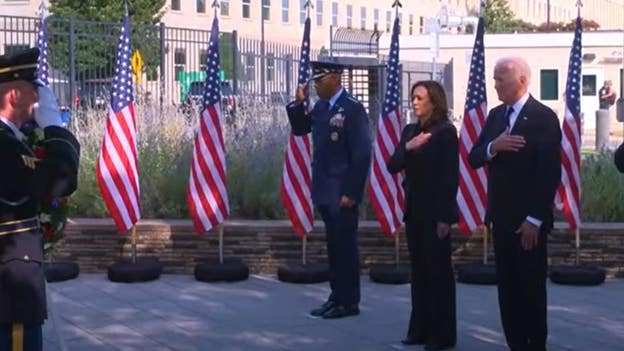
(178, 313)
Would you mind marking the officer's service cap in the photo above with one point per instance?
(20, 65)
(321, 69)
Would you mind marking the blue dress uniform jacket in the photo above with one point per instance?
(341, 161)
(341, 148)
(24, 182)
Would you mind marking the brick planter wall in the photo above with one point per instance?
(265, 245)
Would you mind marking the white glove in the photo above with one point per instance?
(47, 112)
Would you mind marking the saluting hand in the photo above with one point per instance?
(346, 202)
(418, 141)
(508, 142)
(529, 235)
(300, 95)
(443, 230)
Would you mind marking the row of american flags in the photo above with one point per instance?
(207, 198)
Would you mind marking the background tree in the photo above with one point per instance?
(95, 33)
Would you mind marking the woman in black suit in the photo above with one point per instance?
(428, 153)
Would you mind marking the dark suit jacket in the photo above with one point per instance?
(22, 188)
(618, 158)
(431, 173)
(342, 148)
(522, 183)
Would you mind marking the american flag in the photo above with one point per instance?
(384, 189)
(569, 192)
(117, 167)
(296, 181)
(42, 44)
(206, 193)
(472, 195)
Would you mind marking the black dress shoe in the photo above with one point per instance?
(320, 311)
(439, 346)
(412, 341)
(340, 311)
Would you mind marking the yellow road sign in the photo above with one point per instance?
(137, 65)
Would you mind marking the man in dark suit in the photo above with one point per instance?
(341, 160)
(24, 181)
(618, 158)
(520, 144)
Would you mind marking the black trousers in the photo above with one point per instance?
(433, 319)
(522, 297)
(22, 337)
(342, 253)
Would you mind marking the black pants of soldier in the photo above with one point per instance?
(20, 337)
(433, 319)
(522, 298)
(342, 253)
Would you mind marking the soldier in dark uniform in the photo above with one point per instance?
(341, 161)
(24, 181)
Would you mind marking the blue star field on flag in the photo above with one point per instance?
(304, 62)
(475, 95)
(121, 95)
(43, 69)
(212, 87)
(392, 100)
(573, 95)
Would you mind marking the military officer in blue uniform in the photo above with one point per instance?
(24, 181)
(341, 161)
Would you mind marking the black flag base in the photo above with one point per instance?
(298, 273)
(60, 271)
(231, 270)
(577, 275)
(143, 270)
(389, 273)
(477, 273)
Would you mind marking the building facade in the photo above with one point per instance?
(283, 19)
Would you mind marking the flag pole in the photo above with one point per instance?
(220, 229)
(396, 247)
(304, 249)
(485, 244)
(577, 244)
(133, 238)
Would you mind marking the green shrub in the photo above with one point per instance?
(602, 194)
(255, 142)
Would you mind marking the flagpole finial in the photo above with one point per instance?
(43, 9)
(579, 3)
(308, 6)
(126, 7)
(215, 4)
(396, 3)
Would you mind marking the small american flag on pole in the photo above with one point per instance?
(472, 195)
(206, 193)
(296, 182)
(117, 166)
(43, 69)
(569, 193)
(384, 189)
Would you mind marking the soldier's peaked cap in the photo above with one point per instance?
(20, 65)
(320, 69)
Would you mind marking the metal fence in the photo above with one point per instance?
(82, 55)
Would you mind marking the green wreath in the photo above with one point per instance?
(51, 212)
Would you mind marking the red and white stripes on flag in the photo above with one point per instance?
(384, 189)
(117, 166)
(568, 196)
(472, 194)
(206, 193)
(296, 184)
